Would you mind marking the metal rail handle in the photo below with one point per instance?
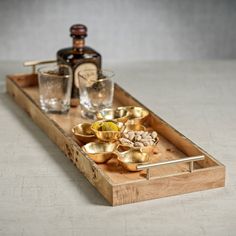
(172, 162)
(33, 64)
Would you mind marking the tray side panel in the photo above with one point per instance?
(169, 186)
(66, 144)
(25, 80)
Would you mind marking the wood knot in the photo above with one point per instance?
(94, 172)
(69, 151)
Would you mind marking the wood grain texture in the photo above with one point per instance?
(117, 185)
(169, 186)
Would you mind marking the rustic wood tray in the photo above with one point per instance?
(116, 184)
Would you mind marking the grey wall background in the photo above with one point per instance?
(120, 30)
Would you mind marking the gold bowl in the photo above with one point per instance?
(150, 149)
(136, 114)
(83, 132)
(119, 115)
(134, 127)
(132, 158)
(122, 148)
(100, 152)
(108, 136)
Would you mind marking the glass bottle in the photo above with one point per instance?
(79, 57)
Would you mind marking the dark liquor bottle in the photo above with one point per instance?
(79, 57)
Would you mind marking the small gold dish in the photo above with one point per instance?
(136, 114)
(132, 158)
(119, 115)
(83, 133)
(150, 149)
(134, 127)
(108, 136)
(122, 148)
(100, 152)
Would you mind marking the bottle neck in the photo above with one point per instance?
(78, 43)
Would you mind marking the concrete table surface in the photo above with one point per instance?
(42, 193)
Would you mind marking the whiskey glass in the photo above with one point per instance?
(96, 91)
(55, 82)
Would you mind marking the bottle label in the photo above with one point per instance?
(78, 43)
(87, 70)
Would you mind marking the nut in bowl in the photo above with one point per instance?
(136, 114)
(118, 115)
(100, 152)
(83, 132)
(143, 140)
(108, 130)
(132, 158)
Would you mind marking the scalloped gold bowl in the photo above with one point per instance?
(100, 152)
(136, 114)
(132, 158)
(108, 136)
(122, 148)
(118, 115)
(134, 127)
(83, 132)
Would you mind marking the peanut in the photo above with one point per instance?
(138, 137)
(131, 136)
(138, 144)
(126, 141)
(154, 134)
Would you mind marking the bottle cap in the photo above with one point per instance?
(78, 30)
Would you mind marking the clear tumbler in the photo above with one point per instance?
(55, 83)
(96, 91)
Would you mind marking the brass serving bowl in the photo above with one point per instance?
(100, 152)
(108, 136)
(134, 127)
(136, 114)
(83, 132)
(119, 115)
(122, 148)
(132, 158)
(150, 149)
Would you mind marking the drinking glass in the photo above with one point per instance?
(96, 91)
(55, 83)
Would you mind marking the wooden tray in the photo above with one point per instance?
(117, 185)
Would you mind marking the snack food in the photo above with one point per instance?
(108, 131)
(139, 138)
(105, 126)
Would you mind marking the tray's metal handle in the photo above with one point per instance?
(191, 160)
(33, 64)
